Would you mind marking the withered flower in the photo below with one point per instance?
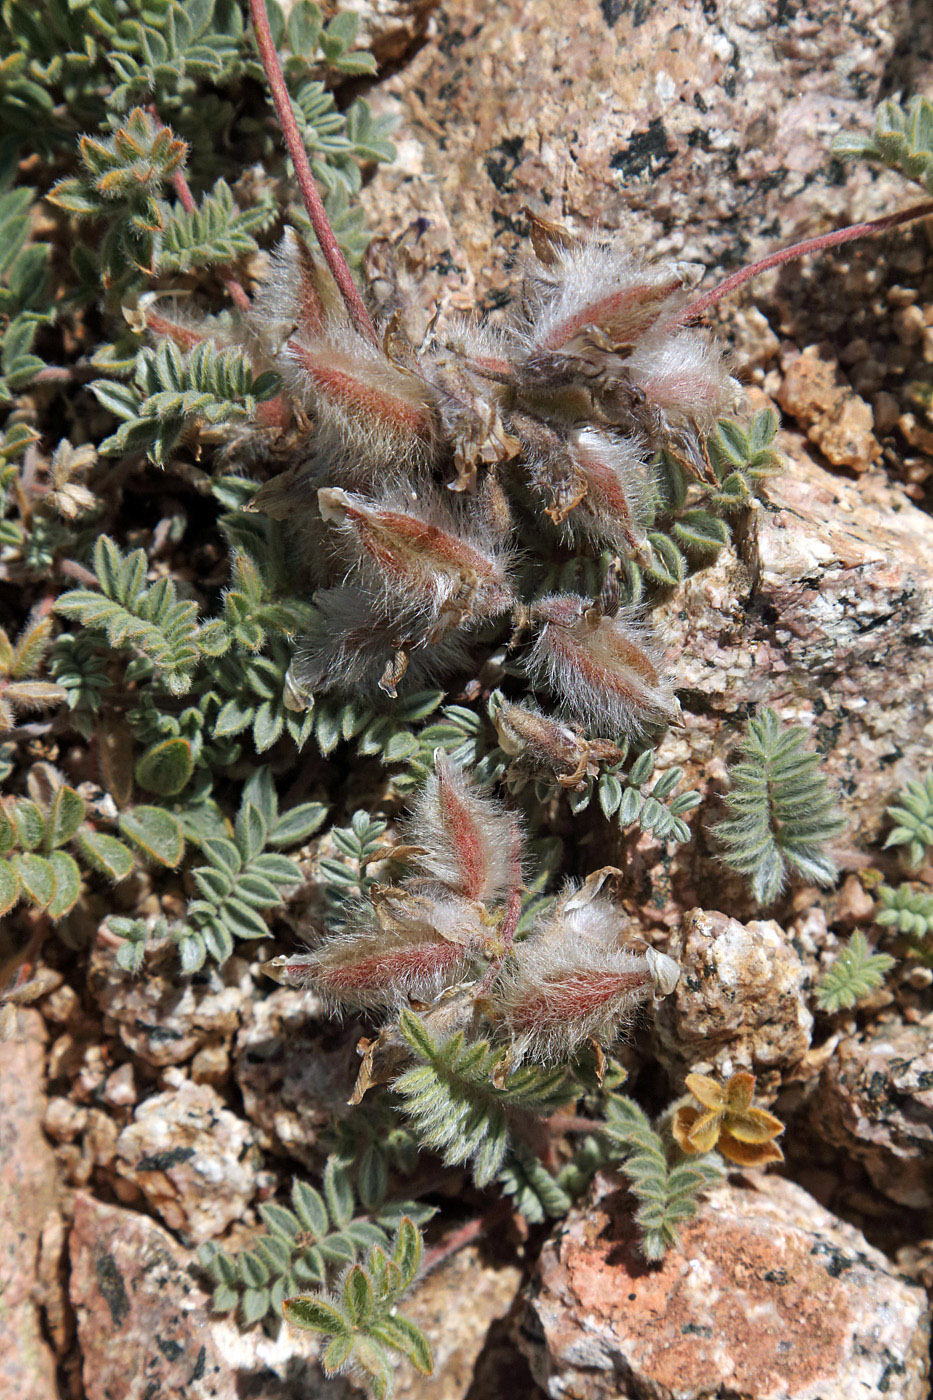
(728, 1120)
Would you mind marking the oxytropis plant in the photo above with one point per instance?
(443, 939)
(491, 508)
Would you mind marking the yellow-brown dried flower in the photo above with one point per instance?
(727, 1119)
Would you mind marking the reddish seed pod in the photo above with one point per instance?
(596, 485)
(603, 670)
(535, 739)
(470, 843)
(375, 967)
(685, 377)
(354, 647)
(360, 397)
(573, 980)
(603, 286)
(617, 503)
(297, 294)
(166, 318)
(417, 565)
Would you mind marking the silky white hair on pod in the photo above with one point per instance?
(469, 842)
(602, 285)
(573, 980)
(604, 671)
(417, 558)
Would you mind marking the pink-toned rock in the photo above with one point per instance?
(739, 1003)
(769, 1297)
(825, 613)
(145, 1328)
(142, 1325)
(455, 1306)
(27, 1202)
(874, 1102)
(704, 129)
(193, 1159)
(837, 421)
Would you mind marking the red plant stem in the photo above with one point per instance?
(464, 1235)
(186, 199)
(299, 157)
(799, 250)
(574, 1123)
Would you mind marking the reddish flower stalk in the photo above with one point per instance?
(309, 193)
(186, 199)
(799, 250)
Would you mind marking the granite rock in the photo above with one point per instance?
(141, 1317)
(769, 1297)
(874, 1102)
(193, 1159)
(836, 420)
(705, 130)
(739, 1004)
(824, 612)
(164, 1020)
(27, 1205)
(294, 1073)
(145, 1327)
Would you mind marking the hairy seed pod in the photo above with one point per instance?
(360, 397)
(297, 294)
(365, 400)
(353, 647)
(165, 319)
(604, 286)
(603, 670)
(684, 376)
(535, 739)
(470, 844)
(596, 485)
(418, 565)
(573, 980)
(375, 967)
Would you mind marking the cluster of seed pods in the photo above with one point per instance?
(574, 978)
(420, 476)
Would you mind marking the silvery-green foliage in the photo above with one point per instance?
(462, 1106)
(24, 303)
(360, 845)
(173, 393)
(359, 1317)
(907, 909)
(782, 814)
(150, 620)
(902, 140)
(306, 1245)
(536, 1193)
(668, 1195)
(856, 971)
(912, 814)
(245, 876)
